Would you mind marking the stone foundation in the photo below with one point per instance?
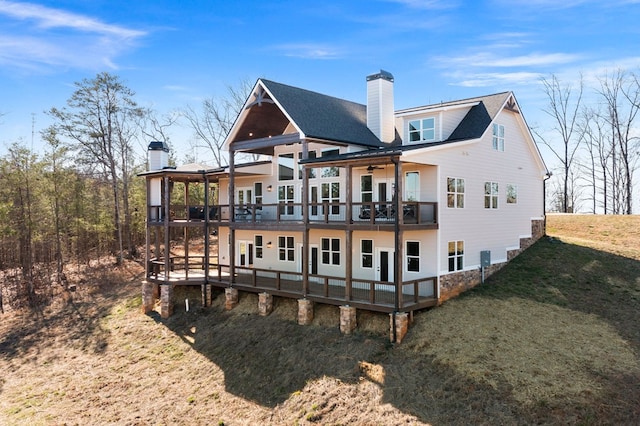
(166, 300)
(305, 311)
(453, 284)
(265, 304)
(402, 326)
(149, 291)
(347, 319)
(231, 298)
(206, 295)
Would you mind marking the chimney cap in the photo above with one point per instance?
(158, 146)
(385, 75)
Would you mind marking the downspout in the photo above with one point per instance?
(544, 199)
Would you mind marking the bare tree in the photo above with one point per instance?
(213, 122)
(621, 93)
(101, 119)
(563, 108)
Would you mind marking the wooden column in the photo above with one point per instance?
(232, 217)
(206, 230)
(348, 269)
(399, 252)
(305, 220)
(167, 218)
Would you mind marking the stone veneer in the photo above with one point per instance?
(453, 284)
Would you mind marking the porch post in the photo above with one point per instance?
(185, 231)
(232, 217)
(397, 205)
(207, 232)
(147, 237)
(167, 218)
(305, 220)
(348, 234)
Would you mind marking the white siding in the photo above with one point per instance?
(497, 230)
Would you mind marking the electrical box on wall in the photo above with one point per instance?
(485, 258)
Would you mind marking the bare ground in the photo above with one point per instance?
(552, 339)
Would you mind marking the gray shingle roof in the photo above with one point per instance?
(324, 117)
(474, 124)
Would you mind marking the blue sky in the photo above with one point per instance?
(174, 54)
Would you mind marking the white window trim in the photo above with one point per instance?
(456, 193)
(515, 187)
(407, 256)
(330, 251)
(286, 248)
(368, 254)
(497, 141)
(492, 197)
(456, 256)
(422, 129)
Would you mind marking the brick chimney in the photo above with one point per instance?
(380, 112)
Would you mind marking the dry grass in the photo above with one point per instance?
(551, 339)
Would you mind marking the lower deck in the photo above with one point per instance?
(364, 294)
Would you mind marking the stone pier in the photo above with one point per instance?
(166, 300)
(206, 295)
(347, 319)
(231, 298)
(305, 311)
(265, 304)
(149, 296)
(402, 326)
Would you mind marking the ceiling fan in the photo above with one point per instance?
(370, 169)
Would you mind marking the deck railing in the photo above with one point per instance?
(375, 213)
(289, 284)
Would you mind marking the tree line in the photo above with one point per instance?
(80, 200)
(596, 140)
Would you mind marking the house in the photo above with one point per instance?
(360, 206)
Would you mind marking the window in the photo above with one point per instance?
(286, 249)
(422, 130)
(332, 171)
(366, 249)
(413, 256)
(285, 198)
(257, 189)
(455, 193)
(312, 172)
(512, 194)
(490, 195)
(412, 186)
(330, 193)
(366, 188)
(285, 166)
(258, 246)
(331, 251)
(498, 137)
(456, 256)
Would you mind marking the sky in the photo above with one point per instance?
(175, 54)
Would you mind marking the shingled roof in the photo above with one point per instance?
(479, 117)
(324, 117)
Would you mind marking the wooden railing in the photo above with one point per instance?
(290, 284)
(375, 213)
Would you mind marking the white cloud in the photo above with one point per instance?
(506, 61)
(490, 79)
(309, 51)
(27, 41)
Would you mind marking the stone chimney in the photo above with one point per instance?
(158, 155)
(380, 112)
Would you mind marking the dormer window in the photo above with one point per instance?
(423, 130)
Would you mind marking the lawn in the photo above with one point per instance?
(553, 338)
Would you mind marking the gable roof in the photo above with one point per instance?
(479, 117)
(323, 117)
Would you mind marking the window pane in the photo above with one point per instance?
(259, 252)
(281, 241)
(367, 261)
(452, 248)
(285, 166)
(460, 247)
(325, 244)
(366, 183)
(367, 246)
(460, 185)
(335, 244)
(413, 248)
(413, 264)
(290, 242)
(336, 258)
(452, 264)
(451, 200)
(259, 240)
(461, 201)
(325, 257)
(451, 185)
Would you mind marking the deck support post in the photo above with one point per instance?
(399, 325)
(206, 295)
(265, 304)
(347, 319)
(231, 298)
(305, 311)
(148, 296)
(166, 300)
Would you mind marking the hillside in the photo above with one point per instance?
(553, 338)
